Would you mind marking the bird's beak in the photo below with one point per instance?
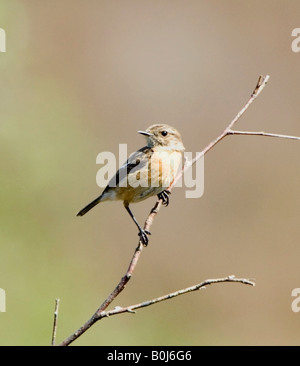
(145, 133)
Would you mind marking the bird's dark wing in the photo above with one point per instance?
(138, 159)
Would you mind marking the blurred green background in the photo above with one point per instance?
(80, 77)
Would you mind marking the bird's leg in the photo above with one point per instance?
(164, 196)
(142, 233)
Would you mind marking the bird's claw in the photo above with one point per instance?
(164, 196)
(143, 237)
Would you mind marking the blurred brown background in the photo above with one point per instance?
(80, 77)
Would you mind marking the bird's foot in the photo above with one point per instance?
(164, 196)
(143, 234)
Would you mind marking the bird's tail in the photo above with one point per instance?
(89, 206)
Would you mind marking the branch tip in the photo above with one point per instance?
(262, 81)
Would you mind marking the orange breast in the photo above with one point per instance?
(163, 167)
(151, 179)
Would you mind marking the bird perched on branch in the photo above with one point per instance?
(149, 171)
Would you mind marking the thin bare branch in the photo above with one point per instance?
(261, 133)
(119, 288)
(132, 308)
(55, 322)
(262, 82)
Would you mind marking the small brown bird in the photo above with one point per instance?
(149, 171)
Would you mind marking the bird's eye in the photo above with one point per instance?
(164, 133)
